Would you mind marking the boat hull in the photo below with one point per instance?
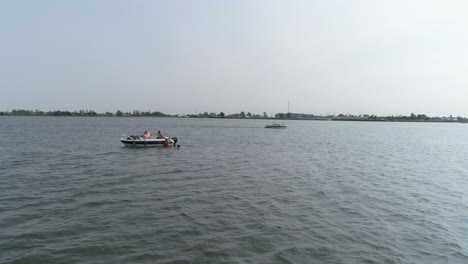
(276, 126)
(146, 143)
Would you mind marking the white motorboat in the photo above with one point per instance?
(276, 125)
(140, 141)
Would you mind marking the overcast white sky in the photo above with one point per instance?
(359, 56)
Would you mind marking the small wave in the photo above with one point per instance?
(176, 170)
(31, 259)
(107, 153)
(305, 254)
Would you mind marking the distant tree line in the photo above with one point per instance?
(242, 114)
(290, 116)
(397, 118)
(22, 112)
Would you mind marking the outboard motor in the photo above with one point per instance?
(175, 140)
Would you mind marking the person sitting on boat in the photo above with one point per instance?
(160, 135)
(146, 135)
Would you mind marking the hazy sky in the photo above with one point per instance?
(359, 56)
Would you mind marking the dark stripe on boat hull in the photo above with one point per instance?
(141, 143)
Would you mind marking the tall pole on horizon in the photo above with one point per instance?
(288, 106)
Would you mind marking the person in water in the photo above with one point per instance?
(160, 135)
(166, 142)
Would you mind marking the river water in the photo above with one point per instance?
(235, 192)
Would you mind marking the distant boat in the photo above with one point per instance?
(276, 125)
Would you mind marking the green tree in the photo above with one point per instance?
(422, 117)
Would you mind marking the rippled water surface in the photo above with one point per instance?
(235, 192)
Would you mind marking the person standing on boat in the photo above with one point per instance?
(160, 135)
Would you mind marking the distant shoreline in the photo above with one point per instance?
(285, 117)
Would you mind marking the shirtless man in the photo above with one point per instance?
(146, 135)
(160, 135)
